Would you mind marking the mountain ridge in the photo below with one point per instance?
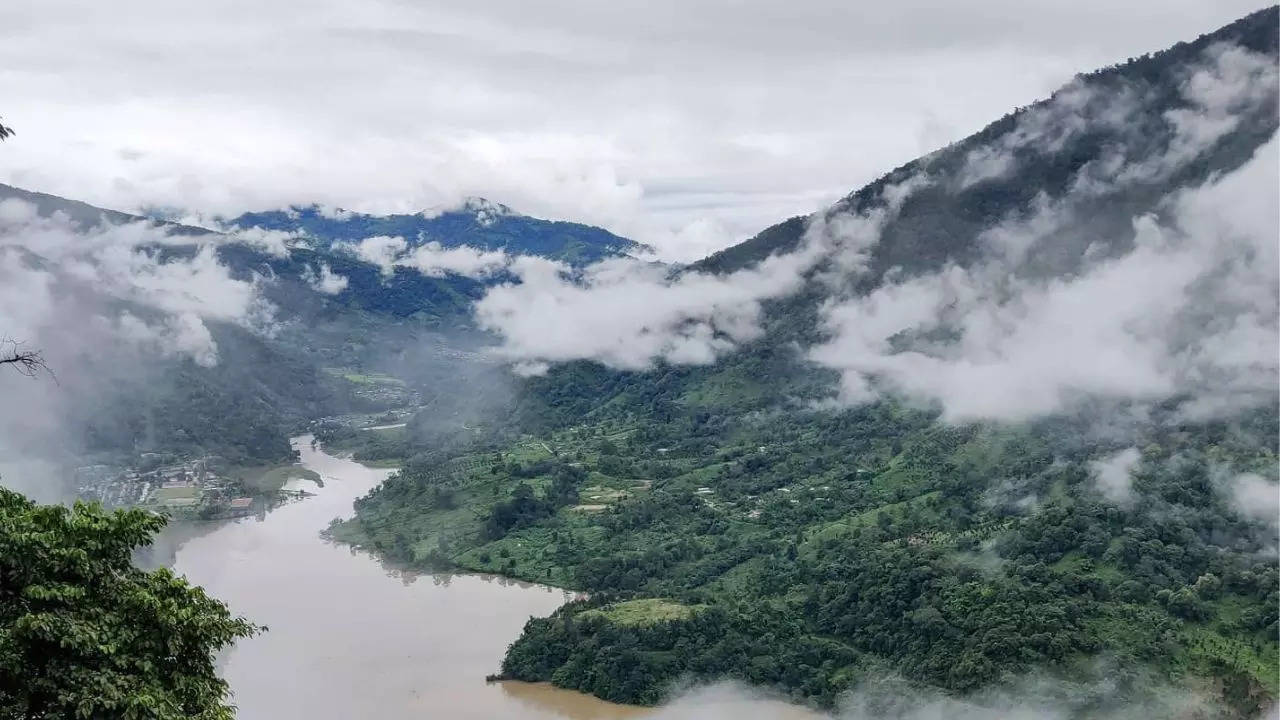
(475, 222)
(1252, 32)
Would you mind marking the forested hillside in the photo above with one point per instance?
(822, 507)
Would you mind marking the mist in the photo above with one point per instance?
(105, 304)
(1058, 309)
(887, 698)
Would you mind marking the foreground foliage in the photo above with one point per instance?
(85, 634)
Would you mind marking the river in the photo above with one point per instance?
(349, 638)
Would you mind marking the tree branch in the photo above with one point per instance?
(26, 362)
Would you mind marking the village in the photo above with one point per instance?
(189, 488)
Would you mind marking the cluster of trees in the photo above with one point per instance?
(85, 633)
(524, 508)
(636, 662)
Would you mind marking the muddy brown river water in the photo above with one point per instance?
(349, 638)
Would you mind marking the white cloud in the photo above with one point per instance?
(1231, 81)
(1025, 347)
(102, 305)
(430, 258)
(16, 212)
(325, 280)
(1026, 698)
(485, 211)
(1128, 327)
(273, 242)
(1191, 308)
(433, 260)
(1045, 129)
(1227, 83)
(183, 334)
(334, 213)
(380, 250)
(1112, 475)
(57, 280)
(627, 313)
(1255, 497)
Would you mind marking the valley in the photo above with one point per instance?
(996, 434)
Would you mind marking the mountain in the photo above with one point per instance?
(942, 222)
(475, 222)
(310, 327)
(998, 435)
(945, 219)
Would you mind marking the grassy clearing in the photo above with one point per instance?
(178, 493)
(646, 611)
(271, 478)
(359, 378)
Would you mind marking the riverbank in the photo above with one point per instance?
(450, 525)
(359, 639)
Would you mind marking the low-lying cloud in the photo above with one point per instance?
(324, 280)
(1191, 309)
(1029, 698)
(1112, 477)
(430, 258)
(56, 279)
(1255, 497)
(627, 313)
(1182, 304)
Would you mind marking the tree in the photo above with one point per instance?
(85, 633)
(26, 362)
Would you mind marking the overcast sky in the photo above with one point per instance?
(688, 125)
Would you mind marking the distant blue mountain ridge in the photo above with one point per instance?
(475, 222)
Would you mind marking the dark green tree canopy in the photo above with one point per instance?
(86, 634)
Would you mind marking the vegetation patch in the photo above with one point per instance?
(645, 611)
(267, 480)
